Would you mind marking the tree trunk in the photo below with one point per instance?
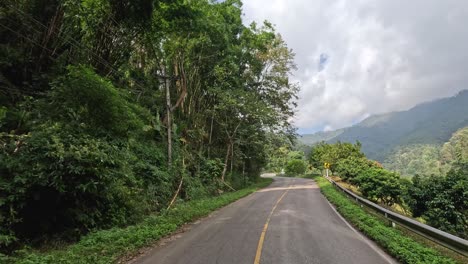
(243, 171)
(169, 124)
(226, 160)
(182, 81)
(177, 192)
(211, 133)
(232, 156)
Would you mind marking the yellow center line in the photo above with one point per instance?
(265, 227)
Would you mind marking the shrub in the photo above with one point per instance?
(81, 97)
(350, 168)
(147, 162)
(403, 248)
(296, 167)
(332, 153)
(442, 201)
(76, 169)
(210, 174)
(380, 184)
(61, 181)
(108, 246)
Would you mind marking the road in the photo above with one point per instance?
(288, 222)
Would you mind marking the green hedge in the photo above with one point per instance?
(405, 249)
(107, 246)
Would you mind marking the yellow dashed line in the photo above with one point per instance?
(265, 227)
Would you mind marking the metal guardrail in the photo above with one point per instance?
(443, 238)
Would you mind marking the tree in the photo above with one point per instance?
(295, 155)
(442, 201)
(350, 168)
(296, 167)
(278, 148)
(123, 107)
(456, 149)
(332, 153)
(378, 184)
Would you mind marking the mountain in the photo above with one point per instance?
(310, 139)
(428, 159)
(427, 123)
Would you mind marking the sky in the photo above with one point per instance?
(357, 58)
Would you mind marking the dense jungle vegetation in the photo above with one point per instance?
(113, 109)
(440, 200)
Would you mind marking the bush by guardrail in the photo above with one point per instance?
(403, 248)
(443, 238)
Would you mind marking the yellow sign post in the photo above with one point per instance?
(327, 166)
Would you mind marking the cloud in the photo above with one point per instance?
(363, 57)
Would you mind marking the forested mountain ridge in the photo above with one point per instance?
(428, 123)
(310, 139)
(429, 159)
(112, 110)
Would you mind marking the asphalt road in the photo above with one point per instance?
(289, 222)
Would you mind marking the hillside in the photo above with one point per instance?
(429, 159)
(428, 123)
(310, 139)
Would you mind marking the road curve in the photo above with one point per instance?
(289, 222)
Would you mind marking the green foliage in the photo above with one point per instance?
(89, 117)
(296, 167)
(456, 149)
(108, 246)
(428, 159)
(3, 111)
(351, 167)
(379, 184)
(83, 98)
(211, 170)
(442, 201)
(439, 200)
(416, 159)
(295, 155)
(210, 173)
(435, 197)
(147, 164)
(277, 158)
(332, 153)
(80, 183)
(397, 244)
(78, 169)
(281, 149)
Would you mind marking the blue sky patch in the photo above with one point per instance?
(323, 60)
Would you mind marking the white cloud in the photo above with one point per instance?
(381, 55)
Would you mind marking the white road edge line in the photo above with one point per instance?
(363, 238)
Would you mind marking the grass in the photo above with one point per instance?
(403, 248)
(108, 246)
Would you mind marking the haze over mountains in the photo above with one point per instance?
(428, 123)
